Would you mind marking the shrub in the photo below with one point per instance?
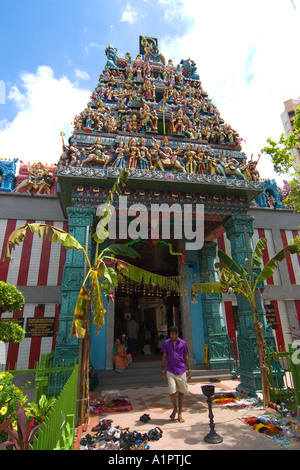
(10, 395)
(40, 410)
(10, 298)
(11, 332)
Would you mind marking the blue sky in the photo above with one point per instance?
(53, 52)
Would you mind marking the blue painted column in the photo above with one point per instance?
(248, 369)
(216, 336)
(67, 346)
(196, 310)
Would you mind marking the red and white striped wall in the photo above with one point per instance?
(292, 264)
(36, 262)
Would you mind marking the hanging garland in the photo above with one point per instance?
(171, 251)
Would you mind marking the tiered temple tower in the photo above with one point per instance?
(155, 119)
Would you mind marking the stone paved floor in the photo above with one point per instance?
(187, 436)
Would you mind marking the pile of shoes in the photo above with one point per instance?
(108, 437)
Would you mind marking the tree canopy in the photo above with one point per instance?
(284, 162)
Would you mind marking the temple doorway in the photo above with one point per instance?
(154, 309)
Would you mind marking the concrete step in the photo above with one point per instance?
(148, 374)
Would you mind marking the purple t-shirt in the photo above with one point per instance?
(175, 353)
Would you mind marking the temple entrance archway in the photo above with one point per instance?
(155, 309)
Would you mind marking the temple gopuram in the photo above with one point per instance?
(154, 118)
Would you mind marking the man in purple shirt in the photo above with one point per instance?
(175, 354)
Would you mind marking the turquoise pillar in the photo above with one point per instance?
(196, 309)
(80, 222)
(248, 370)
(216, 336)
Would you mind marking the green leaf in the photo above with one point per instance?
(54, 233)
(118, 249)
(269, 268)
(231, 265)
(141, 276)
(207, 288)
(257, 253)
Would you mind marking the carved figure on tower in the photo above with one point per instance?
(168, 157)
(38, 178)
(134, 154)
(96, 155)
(121, 152)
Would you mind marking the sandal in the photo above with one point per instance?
(145, 418)
(126, 442)
(111, 446)
(103, 425)
(140, 446)
(154, 434)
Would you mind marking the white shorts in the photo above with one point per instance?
(177, 383)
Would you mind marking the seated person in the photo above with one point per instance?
(147, 349)
(121, 358)
(93, 378)
(160, 343)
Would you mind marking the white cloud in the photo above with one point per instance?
(129, 15)
(246, 56)
(93, 45)
(47, 106)
(81, 74)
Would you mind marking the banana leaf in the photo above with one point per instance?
(230, 264)
(207, 288)
(257, 253)
(77, 328)
(269, 268)
(120, 250)
(111, 275)
(97, 301)
(141, 276)
(55, 234)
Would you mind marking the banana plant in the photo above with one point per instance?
(240, 280)
(102, 274)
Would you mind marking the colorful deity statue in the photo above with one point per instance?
(178, 123)
(230, 167)
(71, 153)
(121, 152)
(147, 96)
(96, 155)
(148, 118)
(190, 154)
(144, 155)
(38, 178)
(149, 90)
(200, 158)
(134, 154)
(168, 157)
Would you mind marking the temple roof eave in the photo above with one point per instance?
(246, 190)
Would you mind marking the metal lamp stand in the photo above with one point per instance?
(212, 437)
